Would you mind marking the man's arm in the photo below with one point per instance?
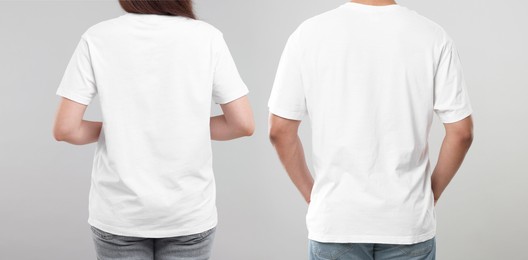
(70, 127)
(283, 135)
(237, 121)
(458, 139)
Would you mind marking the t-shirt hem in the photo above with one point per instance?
(173, 232)
(79, 99)
(372, 239)
(455, 117)
(288, 114)
(231, 97)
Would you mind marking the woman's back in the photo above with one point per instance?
(156, 76)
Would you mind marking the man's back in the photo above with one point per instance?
(370, 78)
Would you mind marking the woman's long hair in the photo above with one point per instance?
(163, 7)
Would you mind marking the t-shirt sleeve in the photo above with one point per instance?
(227, 83)
(451, 99)
(78, 81)
(287, 97)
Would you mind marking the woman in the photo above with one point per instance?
(156, 70)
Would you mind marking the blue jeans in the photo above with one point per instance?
(115, 247)
(363, 251)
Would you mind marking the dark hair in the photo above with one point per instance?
(163, 7)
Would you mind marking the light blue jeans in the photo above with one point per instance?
(115, 247)
(363, 251)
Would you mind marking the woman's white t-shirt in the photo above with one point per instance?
(156, 77)
(370, 78)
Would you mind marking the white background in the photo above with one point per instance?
(44, 184)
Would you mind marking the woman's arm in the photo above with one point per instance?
(237, 121)
(70, 127)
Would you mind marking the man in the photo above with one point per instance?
(370, 75)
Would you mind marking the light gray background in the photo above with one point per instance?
(44, 184)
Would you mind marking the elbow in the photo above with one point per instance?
(59, 137)
(282, 131)
(461, 133)
(275, 135)
(467, 138)
(464, 138)
(272, 137)
(250, 130)
(246, 129)
(61, 134)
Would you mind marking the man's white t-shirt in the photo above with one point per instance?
(370, 78)
(156, 77)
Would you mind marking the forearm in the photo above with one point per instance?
(87, 132)
(221, 130)
(450, 159)
(291, 154)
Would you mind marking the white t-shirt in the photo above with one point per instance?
(156, 77)
(370, 78)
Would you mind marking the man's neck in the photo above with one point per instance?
(375, 2)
